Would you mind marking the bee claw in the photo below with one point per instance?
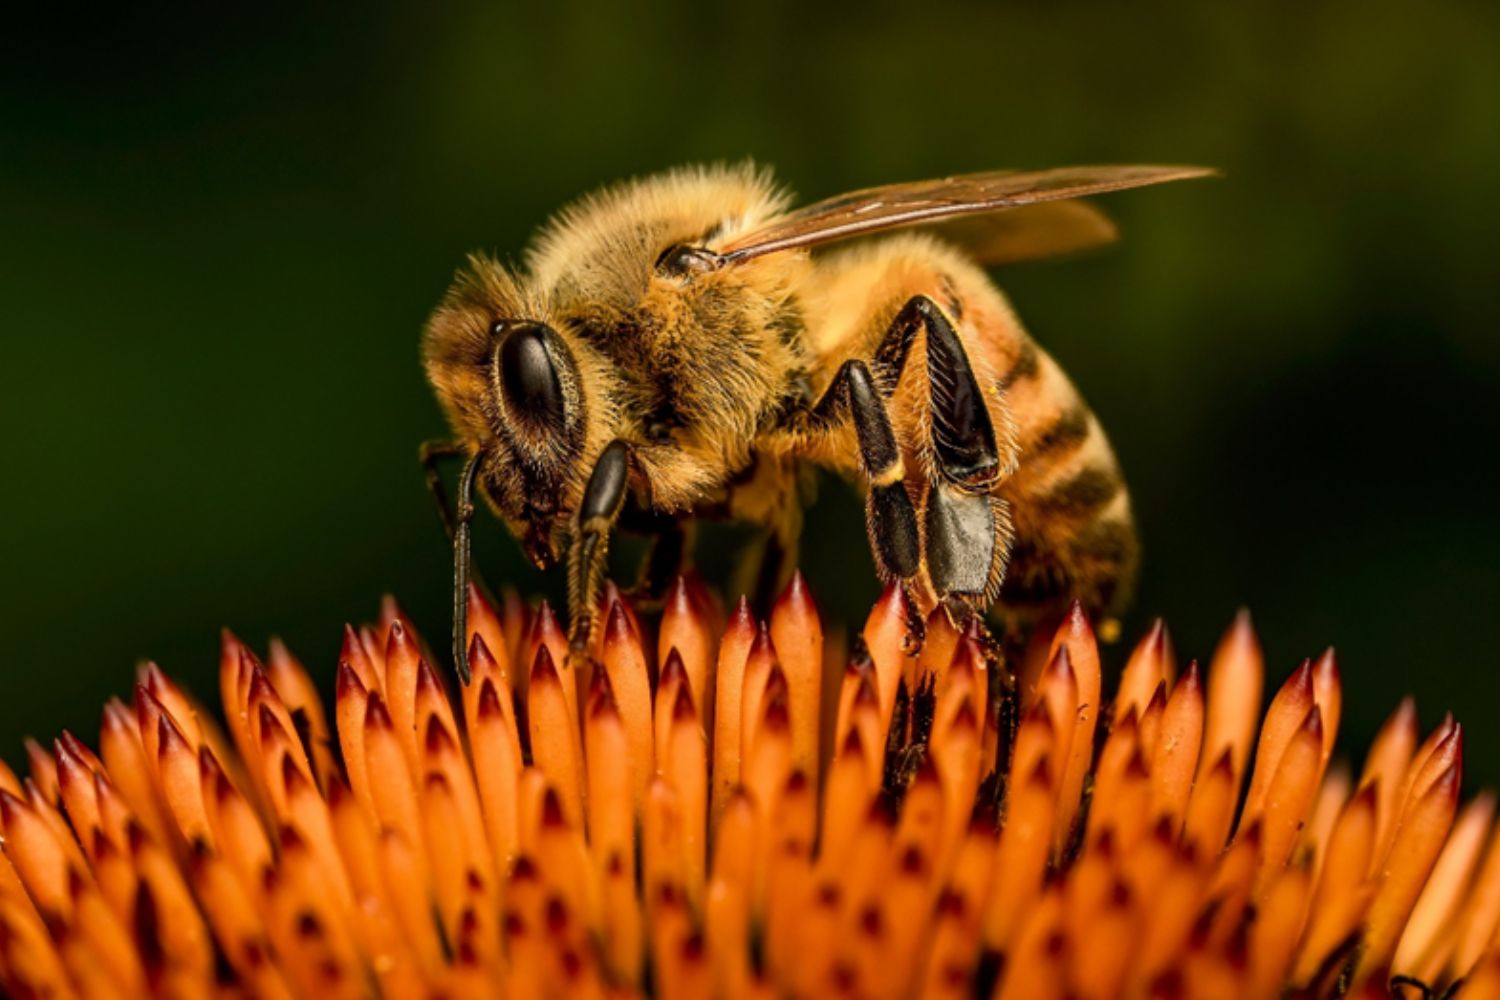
(916, 630)
(580, 640)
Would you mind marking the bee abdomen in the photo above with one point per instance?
(1074, 533)
(1064, 435)
(1083, 495)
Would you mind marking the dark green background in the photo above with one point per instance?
(220, 233)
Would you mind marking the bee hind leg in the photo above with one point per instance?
(968, 540)
(966, 529)
(964, 447)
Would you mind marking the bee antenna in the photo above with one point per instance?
(462, 565)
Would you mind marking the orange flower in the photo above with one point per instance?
(727, 809)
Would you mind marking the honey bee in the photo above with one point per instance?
(674, 348)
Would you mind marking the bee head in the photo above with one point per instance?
(527, 392)
(539, 422)
(536, 413)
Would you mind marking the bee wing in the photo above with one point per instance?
(1029, 232)
(920, 202)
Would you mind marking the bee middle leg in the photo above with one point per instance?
(890, 517)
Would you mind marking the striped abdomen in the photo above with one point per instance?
(1074, 535)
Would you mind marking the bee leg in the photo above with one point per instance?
(603, 499)
(456, 527)
(430, 454)
(777, 558)
(890, 518)
(666, 558)
(967, 531)
(963, 436)
(757, 567)
(967, 544)
(463, 570)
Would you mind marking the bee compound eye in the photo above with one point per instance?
(528, 376)
(682, 260)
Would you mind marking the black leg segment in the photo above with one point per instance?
(456, 527)
(853, 386)
(960, 540)
(430, 454)
(605, 493)
(891, 516)
(462, 567)
(666, 554)
(963, 437)
(603, 499)
(893, 525)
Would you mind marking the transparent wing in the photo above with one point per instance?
(1028, 232)
(921, 202)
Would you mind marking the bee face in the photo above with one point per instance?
(619, 326)
(539, 430)
(513, 383)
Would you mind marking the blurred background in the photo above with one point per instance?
(222, 231)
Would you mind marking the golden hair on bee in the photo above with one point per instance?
(672, 348)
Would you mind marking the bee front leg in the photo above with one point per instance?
(603, 499)
(430, 454)
(456, 527)
(463, 571)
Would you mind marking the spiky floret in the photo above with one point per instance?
(737, 808)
